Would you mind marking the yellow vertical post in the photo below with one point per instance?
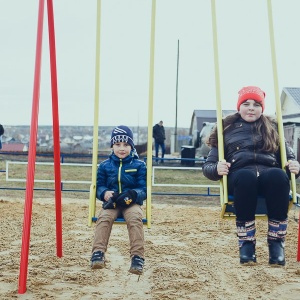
(277, 99)
(92, 203)
(150, 116)
(223, 181)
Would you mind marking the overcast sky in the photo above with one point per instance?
(244, 57)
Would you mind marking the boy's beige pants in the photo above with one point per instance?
(133, 216)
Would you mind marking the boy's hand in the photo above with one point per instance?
(111, 203)
(126, 198)
(108, 195)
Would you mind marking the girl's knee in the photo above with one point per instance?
(245, 178)
(277, 173)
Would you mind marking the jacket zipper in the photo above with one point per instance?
(254, 144)
(119, 177)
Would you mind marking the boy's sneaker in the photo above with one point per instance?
(137, 265)
(98, 260)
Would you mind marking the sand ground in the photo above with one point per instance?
(190, 254)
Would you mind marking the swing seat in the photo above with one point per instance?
(228, 210)
(121, 220)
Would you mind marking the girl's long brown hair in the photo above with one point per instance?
(266, 127)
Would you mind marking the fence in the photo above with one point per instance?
(15, 171)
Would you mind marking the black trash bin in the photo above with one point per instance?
(188, 152)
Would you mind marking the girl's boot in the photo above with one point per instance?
(276, 238)
(246, 235)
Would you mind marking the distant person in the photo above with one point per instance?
(159, 138)
(121, 185)
(253, 166)
(1, 133)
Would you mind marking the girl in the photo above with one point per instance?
(253, 166)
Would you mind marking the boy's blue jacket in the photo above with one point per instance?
(121, 175)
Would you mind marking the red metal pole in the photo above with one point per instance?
(298, 253)
(31, 155)
(56, 135)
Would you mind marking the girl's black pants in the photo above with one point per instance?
(273, 184)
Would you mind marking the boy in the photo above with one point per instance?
(121, 185)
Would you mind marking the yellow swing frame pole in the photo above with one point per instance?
(278, 102)
(150, 116)
(92, 203)
(223, 181)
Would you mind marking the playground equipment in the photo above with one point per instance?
(227, 207)
(56, 135)
(34, 125)
(33, 139)
(92, 203)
